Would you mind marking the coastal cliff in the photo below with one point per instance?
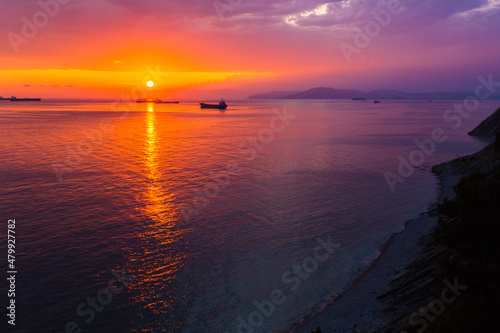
(489, 127)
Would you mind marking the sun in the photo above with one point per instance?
(150, 84)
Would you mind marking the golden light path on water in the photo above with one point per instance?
(158, 201)
(158, 263)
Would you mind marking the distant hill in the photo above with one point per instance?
(489, 127)
(326, 93)
(331, 93)
(273, 95)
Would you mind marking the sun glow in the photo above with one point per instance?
(150, 84)
(92, 83)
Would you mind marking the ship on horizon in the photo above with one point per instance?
(222, 105)
(15, 99)
(157, 101)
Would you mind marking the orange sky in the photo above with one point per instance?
(103, 48)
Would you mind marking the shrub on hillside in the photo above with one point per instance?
(470, 226)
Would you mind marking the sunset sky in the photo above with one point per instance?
(105, 48)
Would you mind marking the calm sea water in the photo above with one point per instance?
(94, 189)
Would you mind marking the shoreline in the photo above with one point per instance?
(357, 308)
(358, 279)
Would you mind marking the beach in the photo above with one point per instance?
(397, 283)
(358, 310)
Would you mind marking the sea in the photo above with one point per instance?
(142, 217)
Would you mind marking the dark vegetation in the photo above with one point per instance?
(469, 226)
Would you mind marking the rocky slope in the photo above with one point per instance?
(488, 128)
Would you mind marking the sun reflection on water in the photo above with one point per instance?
(158, 200)
(158, 259)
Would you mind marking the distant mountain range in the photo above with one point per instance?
(274, 95)
(331, 93)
